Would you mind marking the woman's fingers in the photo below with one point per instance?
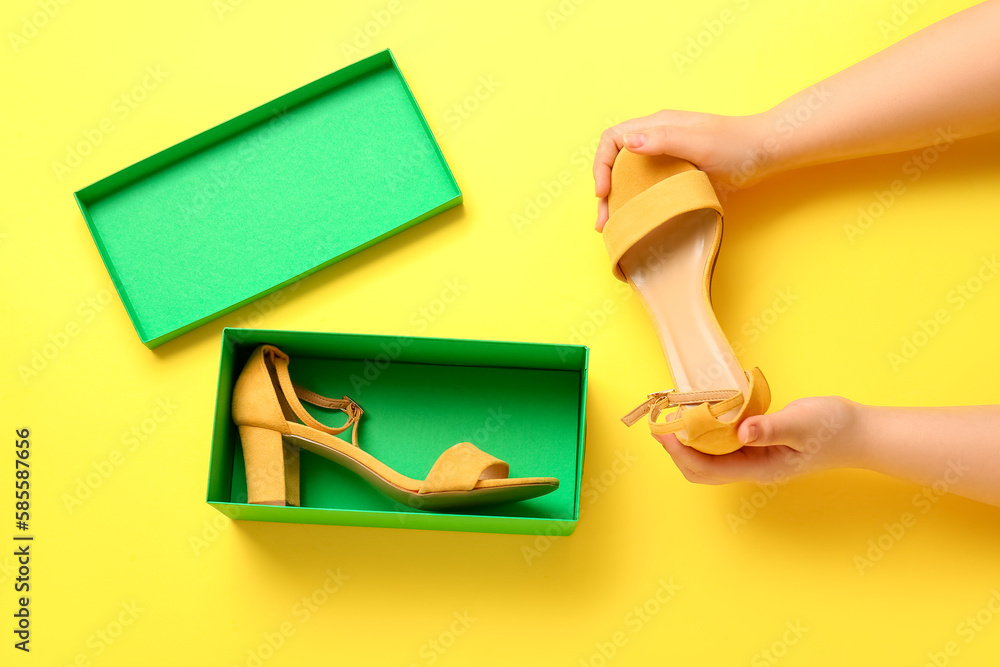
(679, 454)
(604, 157)
(744, 465)
(689, 142)
(608, 148)
(649, 135)
(602, 214)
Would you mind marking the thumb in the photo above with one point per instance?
(677, 140)
(778, 428)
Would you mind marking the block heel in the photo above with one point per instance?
(272, 467)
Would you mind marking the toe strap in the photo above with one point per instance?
(459, 468)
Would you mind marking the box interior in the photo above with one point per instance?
(521, 402)
(268, 197)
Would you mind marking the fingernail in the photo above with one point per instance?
(752, 434)
(634, 140)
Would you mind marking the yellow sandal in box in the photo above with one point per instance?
(273, 425)
(663, 236)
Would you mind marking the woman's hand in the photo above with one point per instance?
(730, 149)
(807, 435)
(940, 83)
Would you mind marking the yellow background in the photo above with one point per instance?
(207, 591)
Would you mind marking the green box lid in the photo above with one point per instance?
(281, 191)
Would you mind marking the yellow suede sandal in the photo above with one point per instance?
(663, 236)
(273, 425)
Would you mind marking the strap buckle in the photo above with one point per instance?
(660, 400)
(353, 410)
(653, 398)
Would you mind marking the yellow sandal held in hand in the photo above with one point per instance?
(273, 425)
(663, 236)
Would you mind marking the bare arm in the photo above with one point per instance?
(953, 449)
(942, 79)
(945, 77)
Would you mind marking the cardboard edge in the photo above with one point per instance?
(109, 267)
(364, 519)
(420, 112)
(581, 453)
(217, 461)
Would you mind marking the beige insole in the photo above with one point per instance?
(405, 489)
(667, 269)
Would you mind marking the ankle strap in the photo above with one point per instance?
(294, 392)
(720, 402)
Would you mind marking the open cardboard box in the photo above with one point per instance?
(522, 402)
(251, 205)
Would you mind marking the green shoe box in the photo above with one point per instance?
(521, 402)
(251, 205)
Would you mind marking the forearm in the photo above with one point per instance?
(955, 449)
(941, 82)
